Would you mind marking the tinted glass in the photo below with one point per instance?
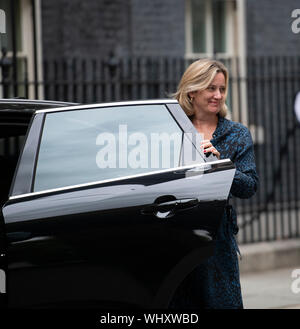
(90, 145)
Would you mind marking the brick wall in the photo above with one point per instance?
(85, 28)
(158, 27)
(93, 27)
(153, 27)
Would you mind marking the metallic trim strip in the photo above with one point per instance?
(112, 104)
(117, 179)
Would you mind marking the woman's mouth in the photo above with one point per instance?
(214, 103)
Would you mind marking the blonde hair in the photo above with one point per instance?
(198, 76)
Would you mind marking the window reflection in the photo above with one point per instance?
(89, 145)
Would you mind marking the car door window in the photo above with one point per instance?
(89, 145)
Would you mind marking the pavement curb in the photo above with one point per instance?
(265, 256)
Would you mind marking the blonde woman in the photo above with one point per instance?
(202, 94)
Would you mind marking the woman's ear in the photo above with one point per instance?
(191, 95)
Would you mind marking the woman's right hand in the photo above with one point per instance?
(207, 147)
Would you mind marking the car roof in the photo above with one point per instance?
(110, 104)
(15, 114)
(30, 105)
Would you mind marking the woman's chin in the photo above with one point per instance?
(214, 110)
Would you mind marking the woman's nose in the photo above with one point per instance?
(218, 94)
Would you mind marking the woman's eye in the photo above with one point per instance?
(212, 89)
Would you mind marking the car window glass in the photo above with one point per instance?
(87, 145)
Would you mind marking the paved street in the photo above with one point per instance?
(271, 289)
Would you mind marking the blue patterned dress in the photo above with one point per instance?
(215, 284)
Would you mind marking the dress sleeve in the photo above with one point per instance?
(245, 181)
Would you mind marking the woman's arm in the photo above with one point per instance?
(245, 181)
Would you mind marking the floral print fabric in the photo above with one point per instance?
(215, 284)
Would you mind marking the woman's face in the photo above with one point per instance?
(212, 98)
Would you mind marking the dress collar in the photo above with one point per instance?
(222, 127)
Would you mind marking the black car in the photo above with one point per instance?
(111, 205)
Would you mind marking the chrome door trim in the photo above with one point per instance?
(112, 104)
(203, 165)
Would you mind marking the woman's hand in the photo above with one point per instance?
(208, 147)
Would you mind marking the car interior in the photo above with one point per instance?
(13, 128)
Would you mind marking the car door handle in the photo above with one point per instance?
(168, 209)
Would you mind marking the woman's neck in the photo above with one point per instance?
(205, 125)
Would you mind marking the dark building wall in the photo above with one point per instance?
(269, 27)
(158, 27)
(153, 27)
(84, 28)
(127, 27)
